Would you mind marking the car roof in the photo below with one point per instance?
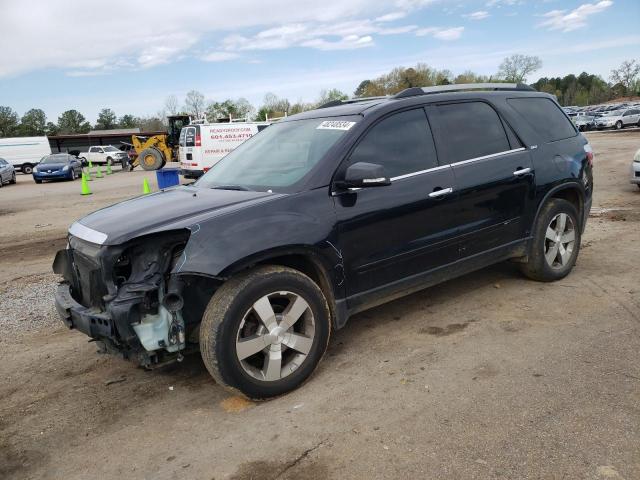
(370, 105)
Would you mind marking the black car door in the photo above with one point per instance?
(390, 233)
(494, 179)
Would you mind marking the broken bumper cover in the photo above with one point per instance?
(97, 325)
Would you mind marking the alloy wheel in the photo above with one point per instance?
(275, 336)
(559, 240)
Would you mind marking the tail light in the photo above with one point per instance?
(198, 140)
(589, 151)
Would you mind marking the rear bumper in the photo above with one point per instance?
(76, 316)
(635, 173)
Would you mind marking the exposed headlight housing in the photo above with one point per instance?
(65, 168)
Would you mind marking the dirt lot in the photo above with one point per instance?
(487, 376)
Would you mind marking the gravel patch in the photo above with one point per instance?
(26, 304)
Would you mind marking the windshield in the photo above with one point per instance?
(55, 159)
(613, 113)
(111, 149)
(279, 156)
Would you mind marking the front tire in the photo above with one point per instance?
(265, 331)
(151, 159)
(556, 242)
(13, 178)
(619, 125)
(37, 181)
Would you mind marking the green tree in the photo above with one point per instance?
(107, 120)
(517, 67)
(33, 123)
(8, 122)
(362, 88)
(229, 109)
(71, 122)
(332, 95)
(194, 103)
(51, 129)
(127, 121)
(626, 75)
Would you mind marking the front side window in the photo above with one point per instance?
(278, 157)
(401, 143)
(471, 130)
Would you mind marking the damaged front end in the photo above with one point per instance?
(125, 297)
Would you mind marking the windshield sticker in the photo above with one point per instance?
(335, 125)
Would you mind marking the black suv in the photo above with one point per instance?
(325, 214)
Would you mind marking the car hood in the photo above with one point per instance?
(171, 209)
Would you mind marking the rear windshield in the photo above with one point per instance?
(545, 117)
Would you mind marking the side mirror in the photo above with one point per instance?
(363, 175)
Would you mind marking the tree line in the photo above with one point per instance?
(583, 89)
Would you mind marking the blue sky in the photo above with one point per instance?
(128, 56)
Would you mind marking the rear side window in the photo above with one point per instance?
(183, 134)
(402, 143)
(545, 117)
(190, 137)
(471, 130)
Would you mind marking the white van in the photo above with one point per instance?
(202, 146)
(24, 152)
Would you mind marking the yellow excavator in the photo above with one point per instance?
(153, 152)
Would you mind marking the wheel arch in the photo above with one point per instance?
(304, 259)
(569, 191)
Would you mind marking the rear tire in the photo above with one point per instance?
(270, 353)
(27, 169)
(556, 242)
(151, 159)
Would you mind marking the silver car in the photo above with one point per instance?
(619, 119)
(7, 172)
(635, 169)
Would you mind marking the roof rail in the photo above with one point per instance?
(334, 103)
(413, 91)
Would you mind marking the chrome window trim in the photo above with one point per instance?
(419, 172)
(485, 157)
(442, 167)
(462, 162)
(89, 234)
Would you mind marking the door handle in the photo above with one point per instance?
(440, 193)
(521, 171)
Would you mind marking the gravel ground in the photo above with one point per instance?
(25, 305)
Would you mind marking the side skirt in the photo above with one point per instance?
(406, 286)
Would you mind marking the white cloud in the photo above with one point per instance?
(441, 33)
(219, 56)
(97, 39)
(479, 15)
(568, 21)
(500, 3)
(390, 17)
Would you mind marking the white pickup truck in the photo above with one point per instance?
(102, 155)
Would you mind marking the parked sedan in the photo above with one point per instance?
(57, 166)
(619, 119)
(635, 169)
(7, 172)
(585, 122)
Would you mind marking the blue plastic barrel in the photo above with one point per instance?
(167, 177)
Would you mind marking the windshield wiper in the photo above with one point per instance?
(232, 187)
